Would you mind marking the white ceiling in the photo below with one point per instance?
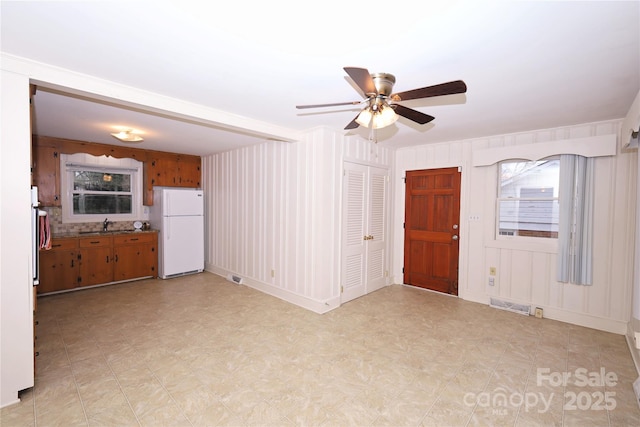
(527, 64)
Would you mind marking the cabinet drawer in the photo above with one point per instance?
(93, 242)
(63, 244)
(126, 239)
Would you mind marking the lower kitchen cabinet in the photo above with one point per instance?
(96, 265)
(76, 262)
(134, 256)
(59, 266)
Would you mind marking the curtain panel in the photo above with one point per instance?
(575, 235)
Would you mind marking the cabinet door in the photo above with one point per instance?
(135, 256)
(58, 270)
(163, 171)
(133, 261)
(189, 172)
(95, 261)
(46, 175)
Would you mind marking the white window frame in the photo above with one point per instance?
(500, 198)
(82, 161)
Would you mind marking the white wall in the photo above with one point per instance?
(632, 123)
(526, 272)
(274, 214)
(16, 288)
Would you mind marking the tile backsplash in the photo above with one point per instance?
(57, 227)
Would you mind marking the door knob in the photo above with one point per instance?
(454, 237)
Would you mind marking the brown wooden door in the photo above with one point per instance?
(432, 219)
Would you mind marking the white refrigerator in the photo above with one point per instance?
(178, 215)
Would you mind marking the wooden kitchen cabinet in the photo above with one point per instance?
(76, 262)
(135, 255)
(189, 171)
(46, 174)
(160, 168)
(174, 171)
(96, 265)
(59, 266)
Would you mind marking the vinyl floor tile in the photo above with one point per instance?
(199, 351)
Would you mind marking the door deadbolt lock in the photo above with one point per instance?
(454, 237)
(455, 226)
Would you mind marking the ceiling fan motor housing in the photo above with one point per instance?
(384, 83)
(382, 103)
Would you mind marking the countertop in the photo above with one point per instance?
(99, 233)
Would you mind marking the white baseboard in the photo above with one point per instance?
(317, 306)
(635, 352)
(574, 318)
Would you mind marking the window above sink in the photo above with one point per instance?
(97, 187)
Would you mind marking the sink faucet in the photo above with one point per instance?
(105, 224)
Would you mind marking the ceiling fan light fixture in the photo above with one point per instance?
(364, 118)
(127, 136)
(387, 116)
(381, 118)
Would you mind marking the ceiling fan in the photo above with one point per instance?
(382, 108)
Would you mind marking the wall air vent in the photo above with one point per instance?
(510, 306)
(235, 279)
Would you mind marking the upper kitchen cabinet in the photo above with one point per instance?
(170, 170)
(46, 174)
(174, 171)
(159, 168)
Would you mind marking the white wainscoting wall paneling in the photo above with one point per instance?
(273, 214)
(526, 270)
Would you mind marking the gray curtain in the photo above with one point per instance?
(575, 234)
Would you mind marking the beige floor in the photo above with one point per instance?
(199, 351)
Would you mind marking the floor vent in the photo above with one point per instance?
(510, 306)
(235, 279)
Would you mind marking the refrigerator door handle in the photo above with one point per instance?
(167, 229)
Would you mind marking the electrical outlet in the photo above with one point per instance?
(273, 273)
(492, 281)
(538, 313)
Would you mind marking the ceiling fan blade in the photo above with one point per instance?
(352, 124)
(457, 86)
(363, 79)
(335, 104)
(412, 114)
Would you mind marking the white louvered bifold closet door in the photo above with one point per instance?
(364, 237)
